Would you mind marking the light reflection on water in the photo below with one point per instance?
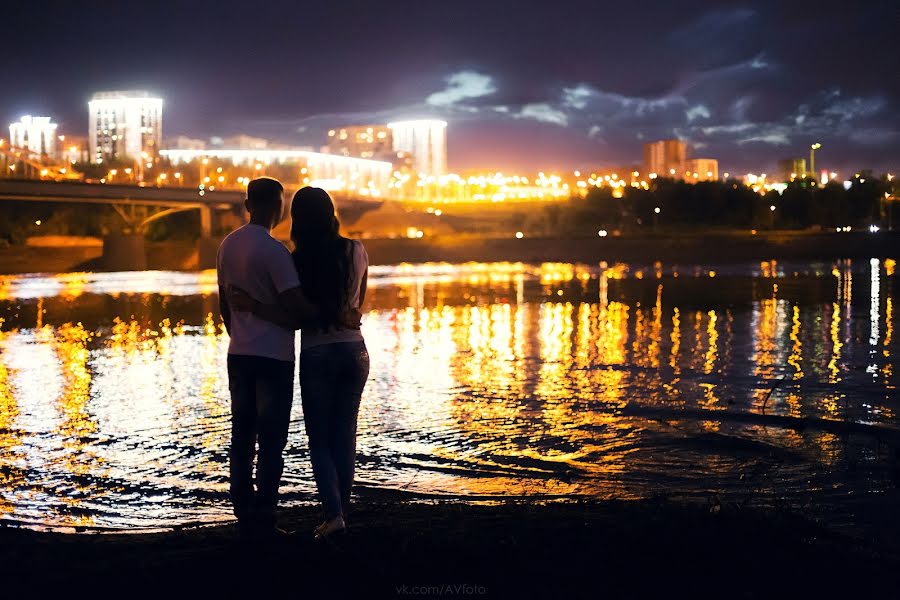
(487, 380)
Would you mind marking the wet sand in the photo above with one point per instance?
(401, 548)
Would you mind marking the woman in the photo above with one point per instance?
(334, 362)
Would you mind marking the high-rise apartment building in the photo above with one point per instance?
(425, 141)
(666, 158)
(124, 126)
(37, 134)
(791, 168)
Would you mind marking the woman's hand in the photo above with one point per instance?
(240, 300)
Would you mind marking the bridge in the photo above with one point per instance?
(22, 163)
(138, 206)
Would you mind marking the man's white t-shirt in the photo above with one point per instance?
(253, 260)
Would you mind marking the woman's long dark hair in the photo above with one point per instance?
(322, 256)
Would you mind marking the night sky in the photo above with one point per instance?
(523, 84)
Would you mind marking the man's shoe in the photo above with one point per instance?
(252, 530)
(274, 534)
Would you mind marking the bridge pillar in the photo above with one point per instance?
(207, 249)
(124, 253)
(205, 222)
(207, 246)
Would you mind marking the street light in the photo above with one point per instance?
(812, 158)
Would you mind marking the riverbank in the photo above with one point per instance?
(716, 248)
(404, 549)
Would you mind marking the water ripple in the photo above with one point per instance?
(764, 381)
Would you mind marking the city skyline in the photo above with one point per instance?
(591, 97)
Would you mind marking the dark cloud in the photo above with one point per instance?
(524, 84)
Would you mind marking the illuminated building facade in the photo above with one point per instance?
(354, 176)
(666, 158)
(240, 142)
(363, 141)
(425, 141)
(791, 168)
(124, 125)
(701, 169)
(37, 134)
(72, 149)
(183, 142)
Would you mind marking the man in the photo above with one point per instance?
(260, 356)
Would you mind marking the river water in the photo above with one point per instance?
(765, 383)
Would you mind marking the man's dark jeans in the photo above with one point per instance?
(262, 390)
(332, 378)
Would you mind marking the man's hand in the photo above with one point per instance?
(351, 319)
(240, 300)
(225, 309)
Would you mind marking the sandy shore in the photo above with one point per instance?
(404, 549)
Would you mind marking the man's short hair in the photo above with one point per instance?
(264, 192)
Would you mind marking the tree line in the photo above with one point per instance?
(677, 205)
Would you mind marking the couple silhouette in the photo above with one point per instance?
(266, 293)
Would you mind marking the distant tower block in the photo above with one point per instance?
(666, 158)
(37, 134)
(791, 168)
(124, 125)
(425, 141)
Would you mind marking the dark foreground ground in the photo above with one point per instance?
(409, 550)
